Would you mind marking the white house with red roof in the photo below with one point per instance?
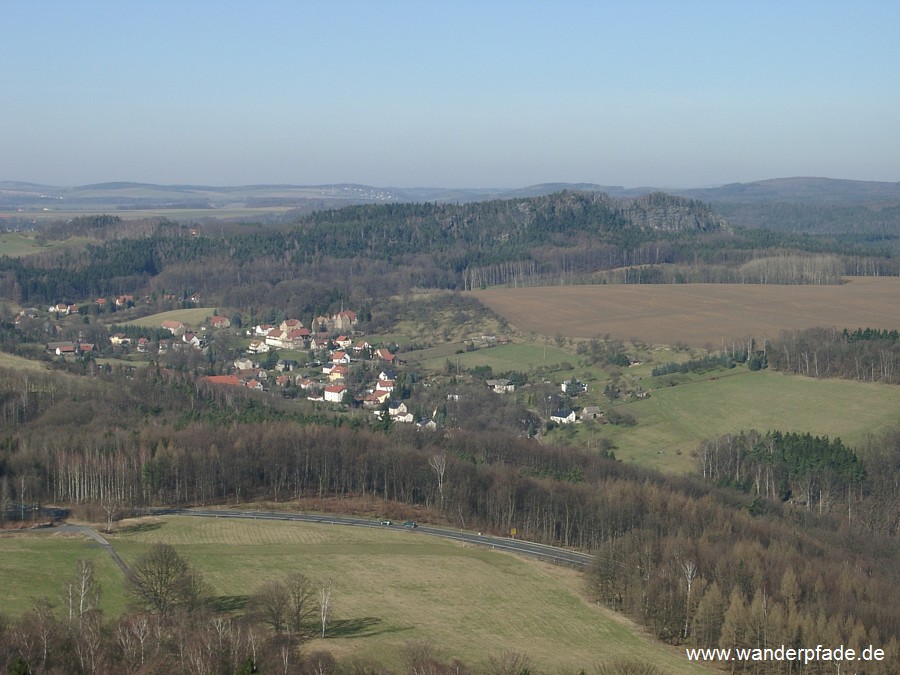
(335, 393)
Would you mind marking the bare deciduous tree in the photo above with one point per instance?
(81, 593)
(302, 604)
(325, 593)
(162, 580)
(439, 464)
(270, 603)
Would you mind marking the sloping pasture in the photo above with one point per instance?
(394, 588)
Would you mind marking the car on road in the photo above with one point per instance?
(410, 523)
(386, 522)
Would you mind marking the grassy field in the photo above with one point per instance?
(392, 588)
(17, 244)
(36, 565)
(673, 421)
(20, 363)
(519, 356)
(192, 318)
(698, 315)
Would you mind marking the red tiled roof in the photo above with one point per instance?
(223, 379)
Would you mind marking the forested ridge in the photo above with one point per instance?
(561, 238)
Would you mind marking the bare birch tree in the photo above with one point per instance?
(82, 591)
(439, 464)
(325, 593)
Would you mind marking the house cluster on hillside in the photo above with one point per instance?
(291, 334)
(71, 348)
(331, 383)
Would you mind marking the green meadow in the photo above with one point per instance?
(391, 589)
(193, 317)
(36, 565)
(514, 356)
(673, 421)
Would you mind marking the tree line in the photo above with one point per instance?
(867, 355)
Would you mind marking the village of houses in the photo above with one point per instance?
(330, 338)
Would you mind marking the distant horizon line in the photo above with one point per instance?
(192, 184)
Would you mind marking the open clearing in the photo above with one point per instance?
(698, 315)
(192, 318)
(519, 356)
(17, 244)
(673, 421)
(393, 588)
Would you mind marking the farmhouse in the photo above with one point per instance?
(62, 348)
(384, 355)
(191, 340)
(290, 324)
(258, 347)
(500, 386)
(338, 373)
(176, 328)
(592, 412)
(275, 338)
(564, 416)
(335, 393)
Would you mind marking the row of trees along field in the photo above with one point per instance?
(870, 355)
(661, 543)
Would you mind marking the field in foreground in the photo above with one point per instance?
(36, 565)
(698, 315)
(394, 588)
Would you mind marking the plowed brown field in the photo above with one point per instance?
(698, 315)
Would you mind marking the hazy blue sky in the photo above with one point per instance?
(458, 94)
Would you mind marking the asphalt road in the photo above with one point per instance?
(552, 554)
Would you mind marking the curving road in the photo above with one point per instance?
(552, 554)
